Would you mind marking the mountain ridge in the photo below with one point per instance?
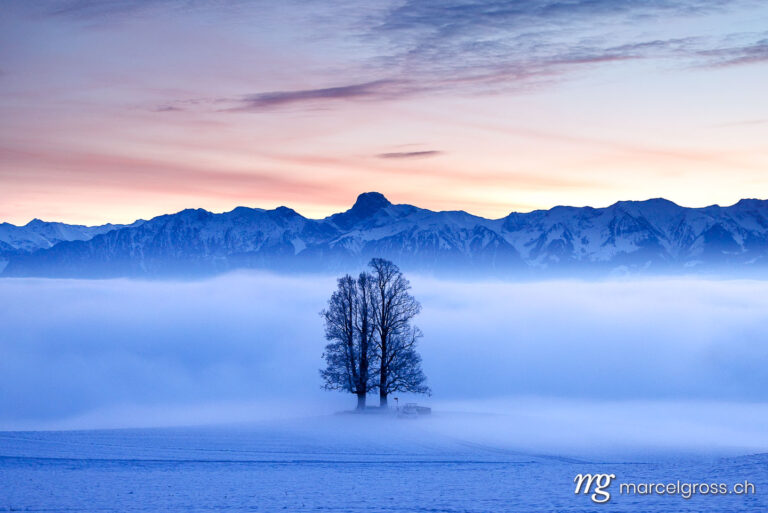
(654, 235)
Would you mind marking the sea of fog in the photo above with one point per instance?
(118, 395)
(122, 353)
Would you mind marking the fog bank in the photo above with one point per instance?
(247, 346)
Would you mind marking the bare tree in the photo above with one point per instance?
(403, 365)
(364, 329)
(399, 365)
(348, 329)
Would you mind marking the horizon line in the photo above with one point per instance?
(215, 212)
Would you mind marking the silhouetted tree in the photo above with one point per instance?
(364, 330)
(348, 329)
(399, 365)
(403, 365)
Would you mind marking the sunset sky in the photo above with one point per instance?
(119, 109)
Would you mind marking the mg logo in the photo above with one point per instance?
(601, 482)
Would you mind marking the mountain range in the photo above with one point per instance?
(653, 236)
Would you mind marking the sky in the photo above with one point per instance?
(116, 110)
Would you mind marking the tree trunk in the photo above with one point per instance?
(383, 370)
(360, 401)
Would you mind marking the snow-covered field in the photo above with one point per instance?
(335, 463)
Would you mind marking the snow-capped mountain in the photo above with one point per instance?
(653, 236)
(37, 234)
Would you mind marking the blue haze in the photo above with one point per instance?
(118, 353)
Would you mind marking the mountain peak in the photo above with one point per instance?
(286, 212)
(369, 203)
(750, 203)
(652, 202)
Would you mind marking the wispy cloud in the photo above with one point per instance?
(409, 154)
(73, 170)
(100, 9)
(453, 19)
(518, 75)
(167, 108)
(516, 45)
(473, 47)
(374, 90)
(734, 56)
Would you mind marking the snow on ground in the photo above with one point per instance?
(336, 463)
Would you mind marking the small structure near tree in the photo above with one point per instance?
(413, 410)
